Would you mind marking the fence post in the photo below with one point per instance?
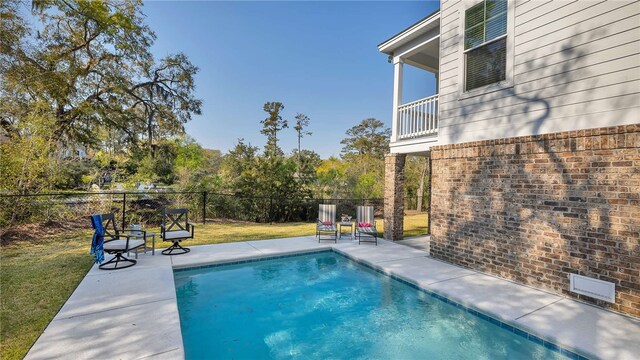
(124, 208)
(270, 209)
(204, 207)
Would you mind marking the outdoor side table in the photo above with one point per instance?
(345, 224)
(153, 243)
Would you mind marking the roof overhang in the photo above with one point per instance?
(413, 32)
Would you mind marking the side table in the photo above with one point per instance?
(345, 224)
(153, 243)
(145, 237)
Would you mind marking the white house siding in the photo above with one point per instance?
(576, 66)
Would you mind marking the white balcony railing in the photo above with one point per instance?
(418, 118)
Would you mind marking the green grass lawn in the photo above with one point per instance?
(36, 278)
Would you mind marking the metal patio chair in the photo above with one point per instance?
(118, 242)
(366, 225)
(326, 224)
(175, 228)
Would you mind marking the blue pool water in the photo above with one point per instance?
(325, 306)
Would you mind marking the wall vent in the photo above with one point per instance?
(598, 289)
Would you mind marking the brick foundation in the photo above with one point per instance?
(536, 208)
(394, 196)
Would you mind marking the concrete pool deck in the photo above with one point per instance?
(133, 314)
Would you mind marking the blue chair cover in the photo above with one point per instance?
(97, 243)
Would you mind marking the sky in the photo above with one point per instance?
(317, 58)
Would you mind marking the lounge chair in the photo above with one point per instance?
(366, 225)
(326, 224)
(175, 228)
(117, 242)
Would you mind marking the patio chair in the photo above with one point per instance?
(366, 225)
(117, 242)
(326, 224)
(175, 228)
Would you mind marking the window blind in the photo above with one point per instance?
(486, 64)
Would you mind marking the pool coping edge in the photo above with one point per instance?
(519, 329)
(547, 341)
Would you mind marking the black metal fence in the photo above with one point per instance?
(145, 207)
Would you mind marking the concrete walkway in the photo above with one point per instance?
(418, 242)
(133, 314)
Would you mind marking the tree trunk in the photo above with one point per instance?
(152, 147)
(299, 136)
(423, 175)
(151, 113)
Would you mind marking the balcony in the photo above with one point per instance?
(414, 125)
(418, 118)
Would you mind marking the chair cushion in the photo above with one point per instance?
(122, 244)
(368, 230)
(178, 234)
(327, 227)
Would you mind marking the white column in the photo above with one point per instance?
(397, 96)
(436, 104)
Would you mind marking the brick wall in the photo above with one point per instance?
(537, 208)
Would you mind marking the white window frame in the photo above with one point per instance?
(462, 63)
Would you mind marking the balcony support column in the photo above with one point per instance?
(397, 95)
(394, 196)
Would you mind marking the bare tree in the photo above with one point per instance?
(302, 121)
(423, 175)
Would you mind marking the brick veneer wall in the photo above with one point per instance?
(536, 208)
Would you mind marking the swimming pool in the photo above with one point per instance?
(325, 306)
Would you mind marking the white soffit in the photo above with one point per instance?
(413, 32)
